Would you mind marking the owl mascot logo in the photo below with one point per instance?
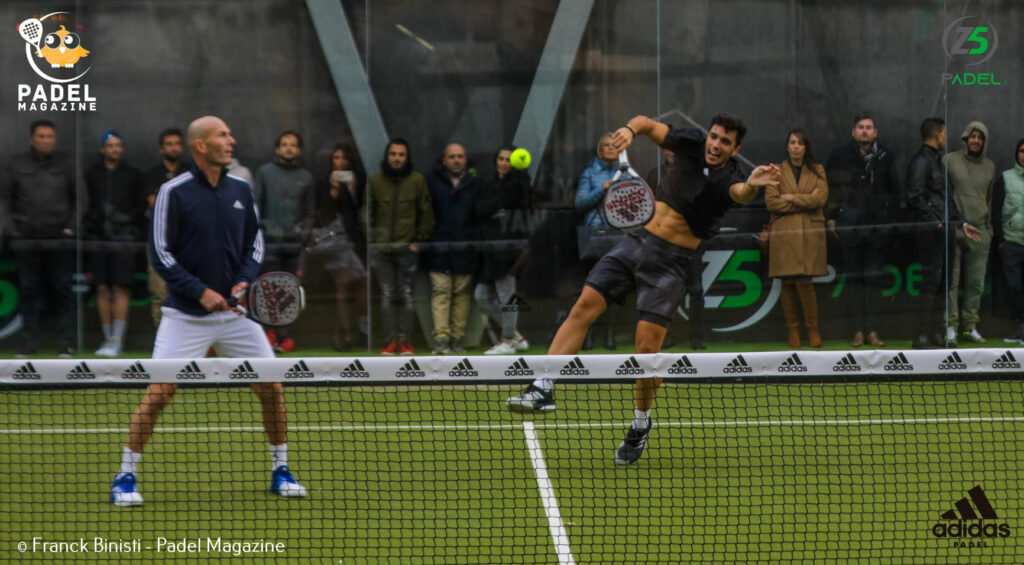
(62, 48)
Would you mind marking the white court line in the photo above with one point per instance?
(547, 494)
(574, 426)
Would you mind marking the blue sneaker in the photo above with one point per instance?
(283, 483)
(123, 493)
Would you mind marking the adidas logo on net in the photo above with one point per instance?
(792, 365)
(411, 370)
(574, 368)
(80, 372)
(1006, 361)
(737, 365)
(963, 522)
(953, 362)
(299, 371)
(519, 369)
(899, 362)
(847, 365)
(463, 369)
(136, 372)
(190, 372)
(26, 372)
(630, 367)
(682, 366)
(244, 371)
(355, 370)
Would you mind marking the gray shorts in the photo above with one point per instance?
(655, 268)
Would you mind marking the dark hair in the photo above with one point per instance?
(40, 124)
(1017, 149)
(931, 125)
(809, 159)
(277, 143)
(507, 147)
(167, 133)
(863, 115)
(730, 123)
(403, 143)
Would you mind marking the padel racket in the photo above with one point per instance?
(628, 202)
(273, 299)
(31, 30)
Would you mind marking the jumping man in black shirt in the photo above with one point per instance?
(703, 183)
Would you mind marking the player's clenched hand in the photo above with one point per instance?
(621, 139)
(213, 301)
(765, 175)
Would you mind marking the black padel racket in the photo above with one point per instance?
(628, 202)
(273, 299)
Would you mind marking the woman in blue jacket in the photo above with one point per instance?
(594, 181)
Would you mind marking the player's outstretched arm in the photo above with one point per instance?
(636, 126)
(763, 175)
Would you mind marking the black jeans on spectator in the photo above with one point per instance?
(44, 279)
(1012, 256)
(395, 272)
(935, 248)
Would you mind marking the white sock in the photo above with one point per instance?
(117, 331)
(278, 455)
(641, 419)
(544, 384)
(107, 332)
(129, 461)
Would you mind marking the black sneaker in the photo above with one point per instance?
(456, 346)
(1017, 336)
(633, 446)
(533, 399)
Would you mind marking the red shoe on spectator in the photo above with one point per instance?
(272, 338)
(286, 345)
(405, 348)
(391, 348)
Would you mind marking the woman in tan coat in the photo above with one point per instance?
(796, 253)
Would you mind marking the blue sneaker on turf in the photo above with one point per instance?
(123, 493)
(283, 483)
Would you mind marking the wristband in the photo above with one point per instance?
(630, 130)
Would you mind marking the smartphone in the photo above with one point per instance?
(345, 176)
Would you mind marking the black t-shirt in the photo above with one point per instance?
(699, 194)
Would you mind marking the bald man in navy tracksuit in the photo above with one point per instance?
(206, 243)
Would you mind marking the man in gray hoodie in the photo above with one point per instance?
(971, 174)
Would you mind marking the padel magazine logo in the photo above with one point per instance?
(972, 522)
(56, 54)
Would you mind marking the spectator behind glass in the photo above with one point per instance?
(797, 250)
(38, 201)
(283, 191)
(333, 241)
(171, 147)
(400, 217)
(116, 213)
(500, 215)
(1008, 221)
(453, 192)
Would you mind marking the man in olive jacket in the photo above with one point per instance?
(972, 175)
(400, 217)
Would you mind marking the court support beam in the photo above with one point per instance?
(350, 78)
(552, 75)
